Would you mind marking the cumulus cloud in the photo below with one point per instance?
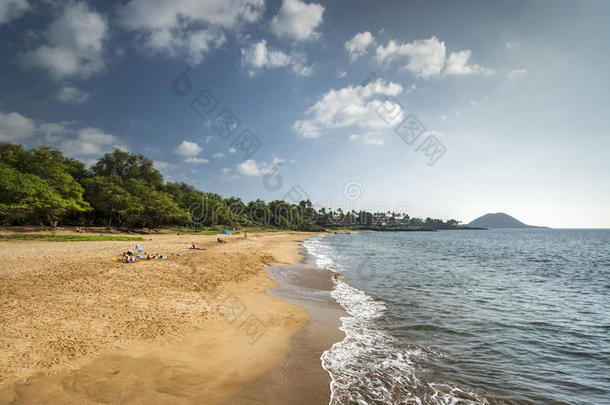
(74, 43)
(427, 58)
(196, 160)
(53, 131)
(186, 27)
(357, 46)
(160, 165)
(457, 64)
(14, 127)
(218, 155)
(259, 57)
(253, 168)
(297, 20)
(12, 9)
(17, 128)
(188, 149)
(69, 94)
(360, 106)
(91, 141)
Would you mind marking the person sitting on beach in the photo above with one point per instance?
(129, 257)
(221, 240)
(78, 230)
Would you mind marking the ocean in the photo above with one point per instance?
(460, 317)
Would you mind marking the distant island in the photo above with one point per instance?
(499, 220)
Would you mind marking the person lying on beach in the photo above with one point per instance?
(193, 246)
(221, 240)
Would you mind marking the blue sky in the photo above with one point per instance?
(507, 102)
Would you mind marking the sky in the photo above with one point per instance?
(444, 109)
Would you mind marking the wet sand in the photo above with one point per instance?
(300, 378)
(77, 327)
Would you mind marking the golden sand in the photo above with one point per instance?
(77, 327)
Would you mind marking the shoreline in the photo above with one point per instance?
(80, 328)
(300, 377)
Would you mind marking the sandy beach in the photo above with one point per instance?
(78, 327)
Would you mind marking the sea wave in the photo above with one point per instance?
(369, 366)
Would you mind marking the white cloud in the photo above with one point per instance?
(259, 57)
(253, 168)
(70, 94)
(90, 141)
(75, 43)
(232, 150)
(196, 160)
(159, 165)
(426, 58)
(358, 106)
(516, 74)
(250, 168)
(512, 45)
(341, 74)
(218, 155)
(14, 127)
(12, 9)
(53, 130)
(307, 128)
(187, 27)
(457, 64)
(358, 45)
(354, 137)
(188, 149)
(297, 20)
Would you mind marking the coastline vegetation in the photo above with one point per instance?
(68, 238)
(40, 186)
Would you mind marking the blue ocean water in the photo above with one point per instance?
(495, 316)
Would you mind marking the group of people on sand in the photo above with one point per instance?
(131, 257)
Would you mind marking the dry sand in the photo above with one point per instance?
(77, 327)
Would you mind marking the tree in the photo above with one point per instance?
(153, 208)
(109, 199)
(48, 191)
(128, 167)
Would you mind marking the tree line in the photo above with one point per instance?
(41, 185)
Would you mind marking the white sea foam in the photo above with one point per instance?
(368, 365)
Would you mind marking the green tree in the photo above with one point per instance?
(128, 167)
(109, 199)
(49, 190)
